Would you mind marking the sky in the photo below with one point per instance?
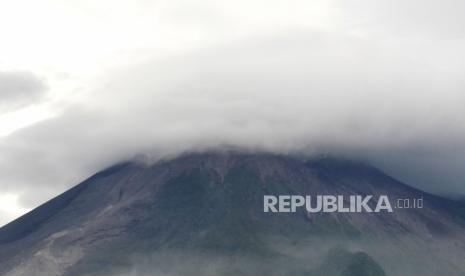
(85, 84)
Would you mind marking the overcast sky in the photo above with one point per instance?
(84, 84)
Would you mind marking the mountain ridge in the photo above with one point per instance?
(211, 204)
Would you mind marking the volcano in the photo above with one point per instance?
(202, 214)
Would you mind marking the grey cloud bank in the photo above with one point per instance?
(19, 88)
(391, 94)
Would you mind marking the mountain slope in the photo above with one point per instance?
(202, 214)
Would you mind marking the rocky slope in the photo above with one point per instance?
(202, 214)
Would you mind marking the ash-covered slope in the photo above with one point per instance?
(202, 214)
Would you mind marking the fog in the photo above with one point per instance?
(320, 256)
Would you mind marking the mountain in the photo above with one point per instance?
(203, 214)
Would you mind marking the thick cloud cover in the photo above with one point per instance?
(383, 83)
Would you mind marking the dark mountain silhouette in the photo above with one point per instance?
(202, 214)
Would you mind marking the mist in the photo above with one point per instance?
(318, 256)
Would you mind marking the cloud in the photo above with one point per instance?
(19, 88)
(365, 82)
(293, 92)
(407, 18)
